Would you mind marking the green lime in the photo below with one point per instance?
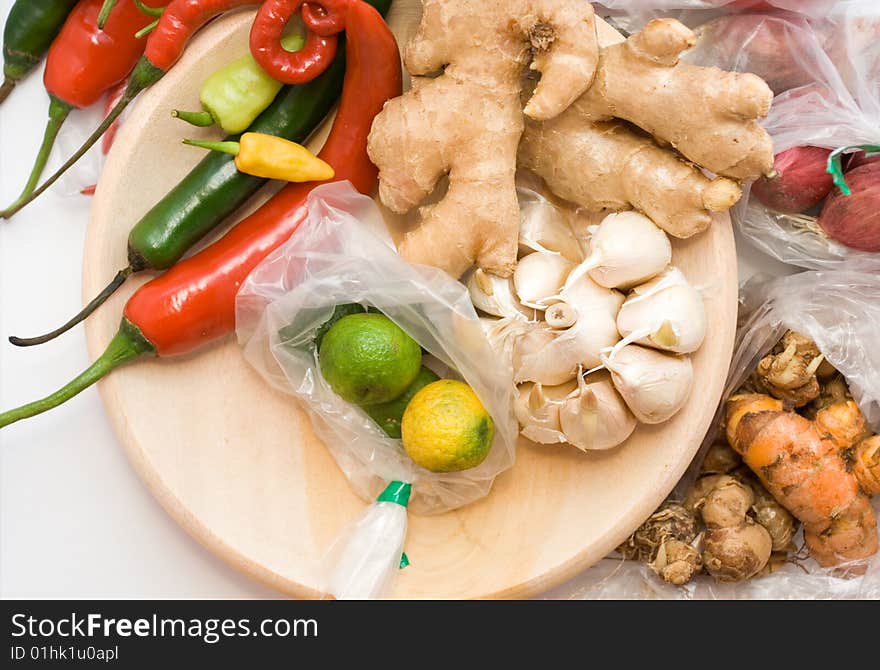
(389, 414)
(338, 312)
(368, 359)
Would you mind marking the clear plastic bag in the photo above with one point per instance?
(840, 311)
(826, 74)
(84, 175)
(342, 254)
(634, 14)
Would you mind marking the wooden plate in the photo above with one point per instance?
(238, 466)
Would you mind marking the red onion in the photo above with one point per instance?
(802, 181)
(859, 159)
(854, 220)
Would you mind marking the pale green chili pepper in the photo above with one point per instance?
(238, 93)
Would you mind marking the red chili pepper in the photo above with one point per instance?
(194, 302)
(83, 63)
(315, 56)
(164, 46)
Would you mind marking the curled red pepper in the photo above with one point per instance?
(324, 19)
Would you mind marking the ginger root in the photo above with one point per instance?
(467, 122)
(709, 116)
(606, 165)
(823, 471)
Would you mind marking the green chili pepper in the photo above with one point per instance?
(30, 28)
(215, 189)
(237, 94)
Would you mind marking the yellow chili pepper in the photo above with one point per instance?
(271, 157)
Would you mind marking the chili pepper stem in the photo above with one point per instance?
(149, 11)
(200, 119)
(146, 30)
(144, 75)
(127, 344)
(86, 311)
(6, 88)
(104, 14)
(58, 113)
(231, 148)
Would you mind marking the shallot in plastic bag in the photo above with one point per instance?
(342, 254)
(632, 15)
(826, 74)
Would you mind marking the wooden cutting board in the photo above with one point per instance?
(237, 464)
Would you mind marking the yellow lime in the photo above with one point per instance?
(445, 427)
(368, 359)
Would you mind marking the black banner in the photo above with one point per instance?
(248, 634)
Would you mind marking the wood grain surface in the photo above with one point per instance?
(237, 464)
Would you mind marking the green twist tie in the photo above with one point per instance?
(835, 167)
(396, 492)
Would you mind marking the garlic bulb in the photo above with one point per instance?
(666, 313)
(596, 417)
(544, 228)
(494, 295)
(551, 357)
(537, 410)
(539, 276)
(626, 249)
(654, 385)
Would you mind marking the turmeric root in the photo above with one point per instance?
(735, 546)
(789, 372)
(831, 391)
(823, 471)
(708, 115)
(468, 121)
(606, 165)
(721, 459)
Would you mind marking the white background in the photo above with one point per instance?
(75, 521)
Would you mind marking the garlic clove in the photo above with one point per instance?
(551, 356)
(560, 315)
(627, 249)
(537, 359)
(654, 385)
(494, 295)
(537, 410)
(596, 417)
(586, 296)
(543, 227)
(539, 276)
(666, 313)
